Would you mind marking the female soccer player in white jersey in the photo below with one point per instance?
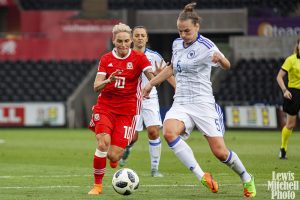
(150, 114)
(194, 103)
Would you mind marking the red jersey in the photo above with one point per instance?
(122, 96)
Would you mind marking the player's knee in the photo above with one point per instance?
(113, 156)
(169, 135)
(115, 153)
(291, 125)
(102, 147)
(153, 132)
(103, 142)
(221, 154)
(291, 122)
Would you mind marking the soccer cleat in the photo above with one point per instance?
(208, 182)
(156, 173)
(113, 164)
(249, 188)
(282, 154)
(125, 156)
(97, 189)
(122, 162)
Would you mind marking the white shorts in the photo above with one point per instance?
(150, 114)
(207, 117)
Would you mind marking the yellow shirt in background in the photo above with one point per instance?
(292, 66)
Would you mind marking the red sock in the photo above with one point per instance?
(99, 169)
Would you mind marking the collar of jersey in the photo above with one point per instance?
(122, 58)
(192, 43)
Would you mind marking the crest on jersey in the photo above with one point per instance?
(110, 65)
(96, 117)
(191, 54)
(129, 65)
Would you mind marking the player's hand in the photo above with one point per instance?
(287, 94)
(146, 90)
(160, 67)
(113, 76)
(217, 57)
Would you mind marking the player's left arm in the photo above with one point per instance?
(217, 57)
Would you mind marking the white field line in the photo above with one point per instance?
(42, 176)
(2, 141)
(87, 175)
(77, 186)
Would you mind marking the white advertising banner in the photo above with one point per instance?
(32, 114)
(251, 116)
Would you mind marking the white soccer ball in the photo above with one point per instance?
(125, 181)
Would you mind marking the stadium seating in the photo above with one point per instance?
(51, 4)
(251, 82)
(255, 7)
(248, 82)
(50, 81)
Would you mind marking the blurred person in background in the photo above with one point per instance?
(291, 95)
(115, 113)
(150, 112)
(194, 105)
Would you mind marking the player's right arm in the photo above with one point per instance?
(286, 93)
(281, 74)
(160, 68)
(101, 81)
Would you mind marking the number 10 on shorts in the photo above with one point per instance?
(128, 132)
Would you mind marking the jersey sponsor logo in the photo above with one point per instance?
(110, 65)
(191, 54)
(129, 65)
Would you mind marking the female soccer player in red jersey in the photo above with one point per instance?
(115, 113)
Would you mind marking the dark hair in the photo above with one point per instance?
(189, 13)
(297, 48)
(143, 27)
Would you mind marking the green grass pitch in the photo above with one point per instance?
(57, 164)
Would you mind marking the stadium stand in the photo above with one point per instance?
(255, 7)
(38, 81)
(51, 4)
(251, 82)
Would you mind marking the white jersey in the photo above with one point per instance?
(152, 57)
(192, 70)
